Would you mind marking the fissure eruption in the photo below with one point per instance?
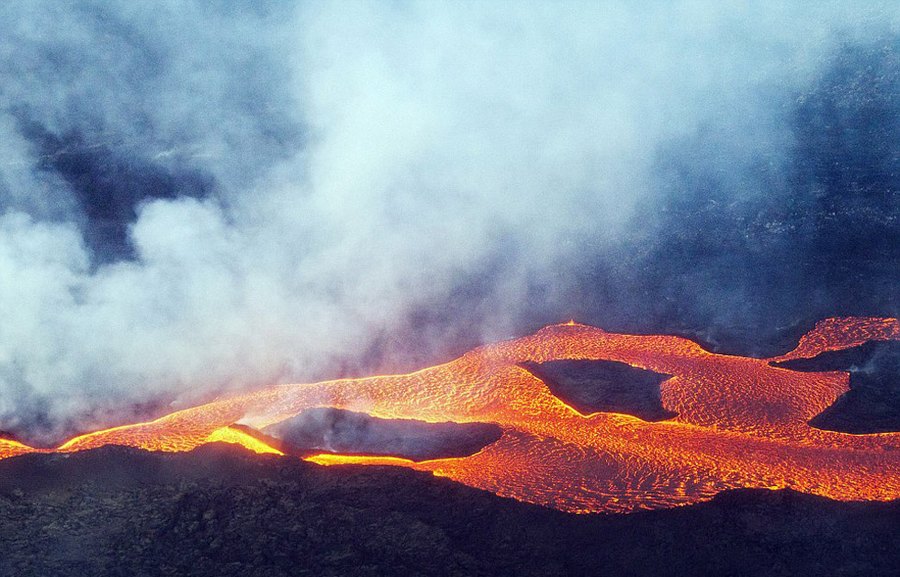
(738, 422)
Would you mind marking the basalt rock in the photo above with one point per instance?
(218, 511)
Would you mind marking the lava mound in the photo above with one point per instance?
(565, 441)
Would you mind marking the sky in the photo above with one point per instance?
(203, 197)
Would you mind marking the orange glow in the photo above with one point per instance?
(236, 437)
(740, 422)
(10, 448)
(843, 333)
(328, 459)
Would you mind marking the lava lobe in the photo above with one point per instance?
(729, 422)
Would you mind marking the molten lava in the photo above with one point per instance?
(740, 422)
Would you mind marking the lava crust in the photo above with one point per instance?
(604, 386)
(872, 405)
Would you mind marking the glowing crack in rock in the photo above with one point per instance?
(740, 422)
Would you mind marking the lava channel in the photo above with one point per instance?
(738, 422)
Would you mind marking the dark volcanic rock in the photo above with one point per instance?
(348, 432)
(610, 386)
(219, 511)
(872, 405)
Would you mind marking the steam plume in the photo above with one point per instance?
(197, 197)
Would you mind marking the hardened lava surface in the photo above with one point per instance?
(740, 422)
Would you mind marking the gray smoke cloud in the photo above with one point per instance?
(201, 197)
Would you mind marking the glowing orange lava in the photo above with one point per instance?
(740, 422)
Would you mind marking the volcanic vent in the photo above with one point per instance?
(728, 422)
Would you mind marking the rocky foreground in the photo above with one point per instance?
(219, 511)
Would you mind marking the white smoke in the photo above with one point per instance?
(367, 159)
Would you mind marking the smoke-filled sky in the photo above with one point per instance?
(203, 196)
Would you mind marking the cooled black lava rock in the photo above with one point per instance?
(872, 405)
(219, 511)
(609, 386)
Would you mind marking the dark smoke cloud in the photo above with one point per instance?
(197, 197)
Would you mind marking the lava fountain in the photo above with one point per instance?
(740, 422)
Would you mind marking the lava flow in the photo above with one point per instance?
(740, 422)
